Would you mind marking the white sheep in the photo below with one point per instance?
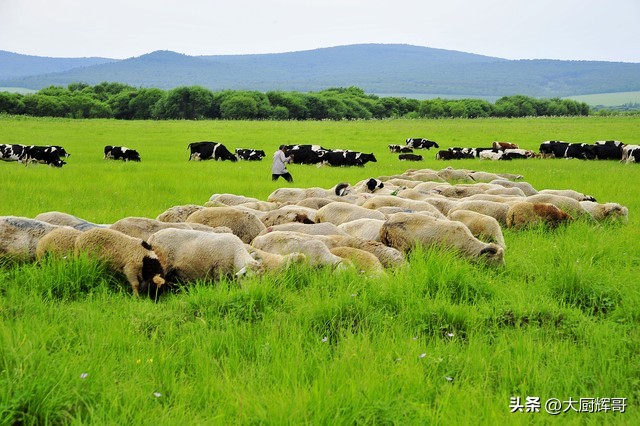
(65, 219)
(19, 236)
(404, 231)
(483, 227)
(130, 256)
(178, 213)
(392, 201)
(60, 242)
(606, 211)
(338, 213)
(366, 229)
(189, 255)
(325, 228)
(143, 228)
(244, 224)
(289, 214)
(287, 242)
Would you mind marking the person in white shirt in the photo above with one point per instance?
(278, 168)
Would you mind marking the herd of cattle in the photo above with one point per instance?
(600, 150)
(370, 226)
(316, 154)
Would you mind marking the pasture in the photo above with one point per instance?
(444, 341)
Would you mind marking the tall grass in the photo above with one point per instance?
(442, 341)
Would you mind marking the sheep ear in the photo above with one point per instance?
(146, 245)
(490, 250)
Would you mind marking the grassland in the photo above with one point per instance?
(441, 342)
(608, 99)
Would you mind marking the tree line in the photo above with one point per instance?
(124, 102)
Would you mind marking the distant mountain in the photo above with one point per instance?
(376, 68)
(14, 65)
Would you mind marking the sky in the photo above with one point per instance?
(604, 30)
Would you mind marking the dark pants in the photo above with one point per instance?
(287, 176)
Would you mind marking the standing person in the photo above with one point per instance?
(278, 167)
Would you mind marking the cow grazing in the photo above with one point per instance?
(421, 143)
(210, 151)
(120, 153)
(250, 154)
(410, 157)
(631, 154)
(399, 149)
(49, 155)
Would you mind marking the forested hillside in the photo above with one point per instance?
(376, 68)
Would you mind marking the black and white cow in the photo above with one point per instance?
(210, 151)
(421, 143)
(120, 153)
(631, 154)
(410, 157)
(11, 152)
(49, 155)
(399, 149)
(250, 154)
(555, 149)
(348, 158)
(305, 154)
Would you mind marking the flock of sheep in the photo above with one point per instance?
(371, 226)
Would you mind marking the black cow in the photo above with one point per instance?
(421, 143)
(49, 155)
(399, 149)
(608, 151)
(410, 157)
(121, 153)
(250, 154)
(210, 151)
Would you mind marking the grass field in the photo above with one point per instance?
(444, 341)
(608, 99)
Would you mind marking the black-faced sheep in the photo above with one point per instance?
(189, 255)
(244, 224)
(525, 214)
(483, 227)
(124, 254)
(404, 231)
(294, 195)
(19, 236)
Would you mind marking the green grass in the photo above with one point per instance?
(444, 341)
(608, 99)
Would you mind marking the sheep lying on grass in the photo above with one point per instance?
(19, 237)
(128, 255)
